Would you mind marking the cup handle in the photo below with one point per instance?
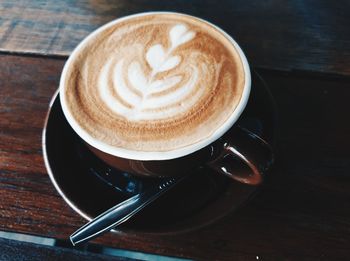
(243, 156)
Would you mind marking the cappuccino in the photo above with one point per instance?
(154, 83)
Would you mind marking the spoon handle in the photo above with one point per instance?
(121, 212)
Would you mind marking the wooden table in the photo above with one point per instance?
(302, 50)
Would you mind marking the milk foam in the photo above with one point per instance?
(154, 83)
(144, 105)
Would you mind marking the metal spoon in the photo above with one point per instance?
(122, 211)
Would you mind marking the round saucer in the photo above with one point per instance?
(203, 198)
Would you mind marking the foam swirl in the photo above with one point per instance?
(140, 96)
(155, 83)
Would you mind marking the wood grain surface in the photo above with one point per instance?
(303, 211)
(285, 35)
(11, 250)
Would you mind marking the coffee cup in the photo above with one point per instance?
(159, 94)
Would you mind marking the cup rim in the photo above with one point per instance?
(155, 155)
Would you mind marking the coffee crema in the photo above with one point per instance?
(154, 83)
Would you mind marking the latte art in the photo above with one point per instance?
(144, 97)
(153, 83)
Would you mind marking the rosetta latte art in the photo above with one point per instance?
(154, 82)
(139, 96)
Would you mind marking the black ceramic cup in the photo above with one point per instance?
(230, 150)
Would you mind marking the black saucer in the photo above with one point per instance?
(91, 187)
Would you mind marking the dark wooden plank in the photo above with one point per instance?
(303, 211)
(295, 35)
(12, 250)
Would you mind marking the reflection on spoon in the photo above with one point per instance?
(121, 212)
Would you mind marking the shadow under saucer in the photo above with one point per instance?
(90, 186)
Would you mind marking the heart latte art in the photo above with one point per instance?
(153, 83)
